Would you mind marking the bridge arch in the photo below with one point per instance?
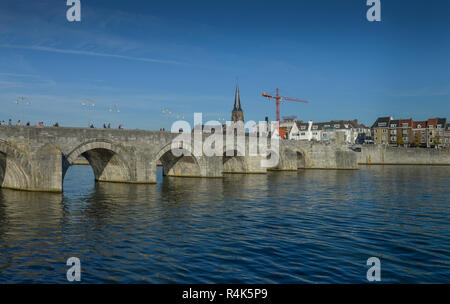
(15, 167)
(185, 165)
(294, 158)
(302, 158)
(109, 161)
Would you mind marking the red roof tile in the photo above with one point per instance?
(423, 124)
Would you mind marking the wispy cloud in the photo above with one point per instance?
(19, 75)
(88, 53)
(15, 80)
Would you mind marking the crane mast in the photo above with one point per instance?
(278, 99)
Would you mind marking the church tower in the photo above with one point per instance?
(237, 114)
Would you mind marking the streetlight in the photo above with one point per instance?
(114, 109)
(89, 105)
(22, 103)
(167, 112)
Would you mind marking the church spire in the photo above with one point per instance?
(237, 114)
(237, 99)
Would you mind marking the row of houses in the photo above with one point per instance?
(434, 132)
(323, 131)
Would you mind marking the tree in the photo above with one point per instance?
(417, 139)
(400, 141)
(437, 141)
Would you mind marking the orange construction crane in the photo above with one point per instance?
(279, 98)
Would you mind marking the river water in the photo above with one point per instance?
(310, 226)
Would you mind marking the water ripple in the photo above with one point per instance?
(310, 226)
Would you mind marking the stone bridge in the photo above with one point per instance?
(37, 158)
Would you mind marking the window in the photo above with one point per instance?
(315, 127)
(393, 125)
(382, 124)
(303, 133)
(384, 137)
(419, 126)
(405, 139)
(430, 127)
(393, 138)
(326, 126)
(405, 132)
(336, 126)
(393, 132)
(405, 125)
(303, 127)
(384, 130)
(314, 133)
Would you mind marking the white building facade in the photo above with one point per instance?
(324, 131)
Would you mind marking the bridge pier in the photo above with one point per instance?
(145, 169)
(210, 166)
(243, 164)
(48, 170)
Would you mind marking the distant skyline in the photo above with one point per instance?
(187, 56)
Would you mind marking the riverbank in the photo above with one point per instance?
(385, 155)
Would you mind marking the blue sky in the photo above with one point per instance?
(187, 55)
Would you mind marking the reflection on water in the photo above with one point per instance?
(284, 227)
